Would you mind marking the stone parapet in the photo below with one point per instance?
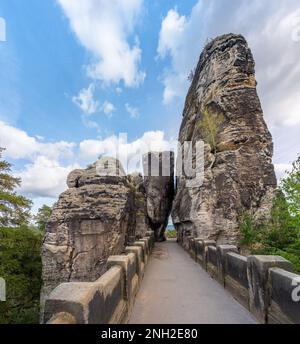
(108, 300)
(265, 285)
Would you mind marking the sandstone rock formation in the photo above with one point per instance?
(102, 211)
(92, 220)
(222, 108)
(159, 187)
(141, 223)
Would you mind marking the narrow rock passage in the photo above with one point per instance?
(176, 290)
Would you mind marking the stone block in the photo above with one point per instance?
(258, 275)
(150, 234)
(99, 302)
(236, 279)
(192, 248)
(222, 251)
(148, 244)
(128, 264)
(199, 251)
(212, 261)
(138, 251)
(206, 244)
(186, 242)
(144, 250)
(285, 297)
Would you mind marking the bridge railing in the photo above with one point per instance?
(110, 299)
(265, 285)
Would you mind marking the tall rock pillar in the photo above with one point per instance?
(222, 108)
(159, 187)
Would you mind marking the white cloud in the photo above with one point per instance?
(281, 169)
(133, 112)
(104, 28)
(175, 86)
(85, 100)
(47, 165)
(43, 174)
(19, 145)
(119, 90)
(44, 178)
(129, 153)
(269, 27)
(90, 123)
(172, 28)
(108, 108)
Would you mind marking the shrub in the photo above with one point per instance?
(209, 126)
(171, 234)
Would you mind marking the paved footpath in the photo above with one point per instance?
(176, 290)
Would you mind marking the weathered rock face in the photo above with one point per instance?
(223, 109)
(92, 220)
(159, 187)
(141, 220)
(102, 211)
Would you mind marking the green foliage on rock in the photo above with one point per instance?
(281, 234)
(20, 266)
(249, 232)
(209, 126)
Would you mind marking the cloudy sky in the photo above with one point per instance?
(76, 74)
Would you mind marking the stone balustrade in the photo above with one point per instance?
(265, 285)
(108, 300)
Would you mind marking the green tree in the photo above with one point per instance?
(21, 267)
(281, 234)
(291, 189)
(14, 208)
(280, 231)
(42, 217)
(20, 260)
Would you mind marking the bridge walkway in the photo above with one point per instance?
(176, 290)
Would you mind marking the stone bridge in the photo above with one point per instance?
(193, 282)
(97, 261)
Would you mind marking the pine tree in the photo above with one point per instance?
(14, 208)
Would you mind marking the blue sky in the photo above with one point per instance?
(73, 74)
(49, 69)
